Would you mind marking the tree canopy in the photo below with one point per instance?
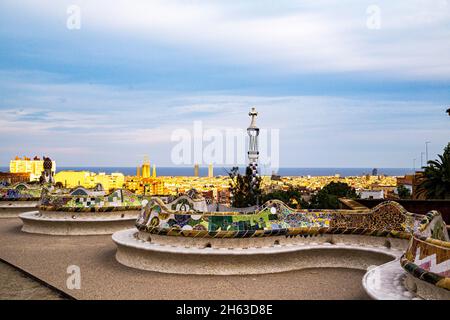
(292, 197)
(328, 196)
(242, 193)
(435, 181)
(403, 192)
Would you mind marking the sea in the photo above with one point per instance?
(223, 171)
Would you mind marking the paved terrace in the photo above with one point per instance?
(102, 277)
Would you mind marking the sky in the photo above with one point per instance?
(346, 83)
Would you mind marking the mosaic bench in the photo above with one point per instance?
(181, 238)
(18, 199)
(427, 259)
(83, 214)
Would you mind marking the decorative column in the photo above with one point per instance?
(253, 153)
(47, 174)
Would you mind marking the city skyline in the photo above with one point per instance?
(341, 94)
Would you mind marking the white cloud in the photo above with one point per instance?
(107, 125)
(288, 37)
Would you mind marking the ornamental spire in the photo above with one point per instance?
(253, 152)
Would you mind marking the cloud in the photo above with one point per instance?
(138, 70)
(107, 125)
(286, 37)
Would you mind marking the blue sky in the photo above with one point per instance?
(341, 94)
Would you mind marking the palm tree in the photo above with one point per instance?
(435, 181)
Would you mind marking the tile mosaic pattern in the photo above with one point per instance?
(428, 254)
(21, 191)
(274, 218)
(427, 257)
(116, 201)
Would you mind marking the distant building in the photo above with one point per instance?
(151, 186)
(34, 167)
(407, 181)
(145, 171)
(138, 171)
(374, 171)
(145, 181)
(275, 177)
(196, 170)
(371, 194)
(71, 179)
(210, 171)
(12, 178)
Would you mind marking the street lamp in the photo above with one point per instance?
(421, 159)
(426, 149)
(414, 164)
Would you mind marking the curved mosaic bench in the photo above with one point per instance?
(275, 219)
(427, 259)
(275, 238)
(83, 214)
(18, 199)
(388, 282)
(422, 272)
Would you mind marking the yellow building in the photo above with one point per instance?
(138, 171)
(154, 171)
(26, 165)
(143, 182)
(196, 170)
(71, 179)
(146, 168)
(133, 183)
(210, 171)
(153, 186)
(147, 186)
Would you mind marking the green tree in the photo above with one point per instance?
(328, 196)
(435, 181)
(403, 192)
(243, 195)
(292, 197)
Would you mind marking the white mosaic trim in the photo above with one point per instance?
(431, 261)
(386, 282)
(96, 216)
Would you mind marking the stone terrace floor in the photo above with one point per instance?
(102, 277)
